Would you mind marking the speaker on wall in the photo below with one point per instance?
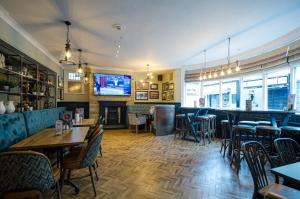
(159, 77)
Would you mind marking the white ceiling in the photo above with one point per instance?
(163, 33)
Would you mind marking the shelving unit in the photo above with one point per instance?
(36, 84)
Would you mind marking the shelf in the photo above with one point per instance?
(10, 93)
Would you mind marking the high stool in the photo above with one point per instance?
(249, 123)
(203, 127)
(225, 136)
(241, 134)
(180, 125)
(263, 123)
(291, 132)
(266, 136)
(212, 124)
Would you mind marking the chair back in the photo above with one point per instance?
(23, 171)
(132, 118)
(92, 150)
(257, 158)
(287, 149)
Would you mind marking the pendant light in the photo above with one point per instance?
(67, 51)
(209, 76)
(237, 68)
(229, 71)
(215, 74)
(86, 78)
(222, 72)
(204, 76)
(79, 69)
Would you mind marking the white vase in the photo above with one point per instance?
(2, 108)
(10, 108)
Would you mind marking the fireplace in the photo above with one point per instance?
(114, 113)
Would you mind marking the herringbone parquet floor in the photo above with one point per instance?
(144, 166)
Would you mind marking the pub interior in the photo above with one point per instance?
(150, 99)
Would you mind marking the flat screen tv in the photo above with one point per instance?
(112, 85)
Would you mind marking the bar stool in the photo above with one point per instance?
(241, 134)
(266, 136)
(181, 125)
(291, 132)
(225, 136)
(203, 127)
(263, 123)
(212, 124)
(249, 123)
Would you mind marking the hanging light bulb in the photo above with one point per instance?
(79, 69)
(68, 53)
(215, 74)
(237, 68)
(222, 72)
(86, 78)
(209, 76)
(200, 77)
(141, 81)
(204, 76)
(229, 71)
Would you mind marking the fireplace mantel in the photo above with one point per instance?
(114, 113)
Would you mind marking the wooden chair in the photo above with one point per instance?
(257, 158)
(27, 174)
(180, 125)
(84, 158)
(225, 136)
(136, 121)
(288, 150)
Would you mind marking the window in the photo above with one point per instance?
(297, 79)
(211, 93)
(75, 76)
(192, 94)
(253, 90)
(278, 89)
(231, 94)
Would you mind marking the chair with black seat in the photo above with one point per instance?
(225, 136)
(288, 150)
(266, 136)
(212, 125)
(84, 158)
(27, 174)
(203, 127)
(291, 132)
(241, 134)
(257, 159)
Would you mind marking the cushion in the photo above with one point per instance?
(12, 128)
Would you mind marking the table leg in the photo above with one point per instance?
(233, 119)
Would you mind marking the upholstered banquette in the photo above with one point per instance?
(15, 127)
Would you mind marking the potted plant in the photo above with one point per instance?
(5, 84)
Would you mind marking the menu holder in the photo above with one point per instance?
(59, 127)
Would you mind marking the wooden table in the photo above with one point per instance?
(290, 172)
(84, 122)
(46, 138)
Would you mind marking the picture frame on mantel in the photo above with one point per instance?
(153, 86)
(141, 95)
(153, 95)
(141, 86)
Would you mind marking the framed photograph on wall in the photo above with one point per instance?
(153, 86)
(153, 95)
(170, 96)
(141, 86)
(165, 86)
(164, 96)
(141, 95)
(171, 86)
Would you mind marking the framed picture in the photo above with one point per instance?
(165, 86)
(141, 86)
(141, 95)
(171, 86)
(164, 96)
(153, 86)
(170, 96)
(154, 95)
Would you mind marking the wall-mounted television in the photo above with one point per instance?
(112, 85)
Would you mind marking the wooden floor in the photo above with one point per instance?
(145, 166)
